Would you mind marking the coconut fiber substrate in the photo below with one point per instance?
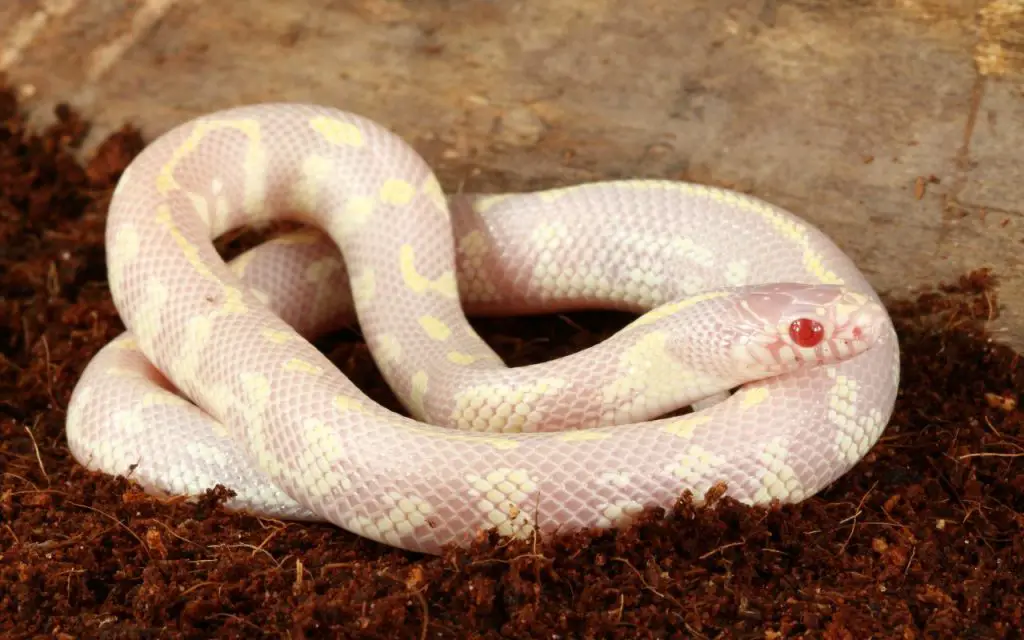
(922, 539)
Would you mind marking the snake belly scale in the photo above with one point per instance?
(215, 380)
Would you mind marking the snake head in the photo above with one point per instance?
(788, 326)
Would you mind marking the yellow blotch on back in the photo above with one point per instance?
(435, 328)
(337, 132)
(200, 205)
(162, 398)
(396, 191)
(301, 366)
(234, 301)
(685, 426)
(458, 357)
(357, 211)
(390, 348)
(316, 170)
(420, 382)
(445, 284)
(127, 243)
(278, 337)
(434, 192)
(364, 285)
(165, 181)
(754, 397)
(241, 263)
(191, 251)
(262, 296)
(813, 263)
(257, 390)
(346, 403)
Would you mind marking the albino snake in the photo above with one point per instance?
(743, 295)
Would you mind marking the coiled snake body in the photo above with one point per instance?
(735, 293)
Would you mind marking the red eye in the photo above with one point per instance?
(806, 332)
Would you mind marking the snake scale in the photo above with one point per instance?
(215, 380)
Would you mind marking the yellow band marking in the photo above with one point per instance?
(126, 243)
(458, 357)
(363, 285)
(162, 398)
(278, 337)
(241, 263)
(257, 390)
(444, 285)
(685, 426)
(342, 134)
(753, 397)
(234, 298)
(260, 295)
(420, 382)
(233, 301)
(200, 205)
(435, 194)
(191, 251)
(255, 160)
(396, 192)
(346, 403)
(358, 210)
(794, 230)
(390, 348)
(435, 328)
(301, 366)
(316, 170)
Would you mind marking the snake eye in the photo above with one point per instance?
(806, 333)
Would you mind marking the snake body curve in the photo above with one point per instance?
(720, 278)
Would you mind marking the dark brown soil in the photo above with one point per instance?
(922, 539)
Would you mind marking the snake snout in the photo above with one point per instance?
(863, 328)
